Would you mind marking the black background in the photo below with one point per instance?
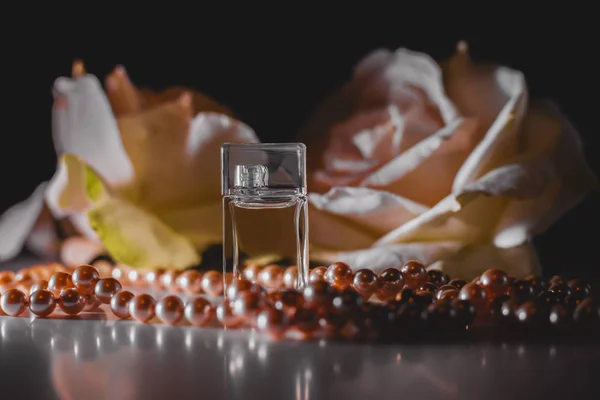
(273, 66)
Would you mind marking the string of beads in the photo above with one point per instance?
(399, 303)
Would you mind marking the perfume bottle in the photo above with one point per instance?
(265, 211)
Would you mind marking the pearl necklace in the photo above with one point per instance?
(398, 303)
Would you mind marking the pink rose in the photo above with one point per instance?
(448, 164)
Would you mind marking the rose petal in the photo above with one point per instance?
(424, 173)
(380, 258)
(552, 140)
(18, 221)
(480, 91)
(83, 124)
(123, 96)
(200, 103)
(201, 225)
(350, 218)
(471, 261)
(177, 160)
(501, 139)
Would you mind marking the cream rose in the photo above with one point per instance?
(448, 164)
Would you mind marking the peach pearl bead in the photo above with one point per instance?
(494, 282)
(59, 281)
(168, 279)
(135, 277)
(169, 309)
(365, 282)
(199, 311)
(190, 282)
(317, 274)
(391, 281)
(271, 277)
(104, 268)
(43, 284)
(290, 277)
(119, 303)
(106, 288)
(153, 277)
(226, 316)
(247, 305)
(273, 321)
(339, 275)
(71, 301)
(251, 272)
(237, 287)
(6, 277)
(92, 302)
(142, 307)
(119, 273)
(42, 303)
(13, 302)
(476, 295)
(415, 274)
(85, 278)
(212, 283)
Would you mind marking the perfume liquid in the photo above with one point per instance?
(265, 211)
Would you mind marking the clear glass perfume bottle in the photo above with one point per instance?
(265, 210)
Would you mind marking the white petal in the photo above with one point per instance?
(83, 124)
(18, 221)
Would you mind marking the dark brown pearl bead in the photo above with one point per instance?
(106, 288)
(199, 311)
(579, 290)
(272, 321)
(289, 301)
(365, 282)
(415, 274)
(464, 312)
(58, 282)
(190, 282)
(251, 272)
(40, 285)
(347, 301)
(317, 274)
(226, 316)
(71, 301)
(494, 282)
(391, 281)
(440, 316)
(537, 284)
(527, 313)
(290, 277)
(247, 305)
(428, 287)
(437, 277)
(476, 295)
(556, 279)
(237, 287)
(587, 314)
(424, 297)
(42, 303)
(142, 307)
(305, 320)
(561, 290)
(449, 295)
(92, 302)
(318, 294)
(85, 278)
(560, 316)
(457, 283)
(13, 302)
(521, 290)
(119, 303)
(339, 275)
(212, 283)
(442, 289)
(271, 276)
(169, 309)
